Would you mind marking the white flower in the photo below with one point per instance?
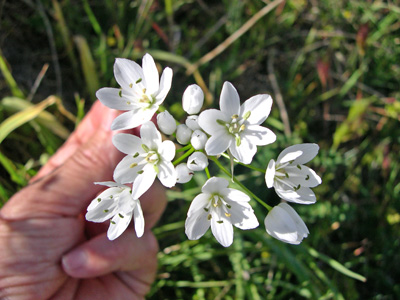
(198, 161)
(147, 157)
(198, 139)
(192, 99)
(183, 174)
(116, 203)
(219, 207)
(290, 178)
(183, 134)
(236, 127)
(166, 122)
(141, 91)
(283, 223)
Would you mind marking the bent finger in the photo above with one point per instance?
(99, 256)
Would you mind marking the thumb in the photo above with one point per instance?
(68, 189)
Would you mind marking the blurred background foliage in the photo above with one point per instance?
(333, 69)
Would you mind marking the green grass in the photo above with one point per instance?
(334, 64)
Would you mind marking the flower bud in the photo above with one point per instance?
(183, 173)
(166, 122)
(283, 223)
(198, 161)
(192, 99)
(191, 122)
(198, 140)
(183, 134)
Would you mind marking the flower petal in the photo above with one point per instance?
(243, 217)
(118, 225)
(196, 224)
(128, 72)
(303, 195)
(259, 135)
(236, 196)
(208, 120)
(167, 174)
(214, 185)
(280, 224)
(244, 152)
(127, 143)
(218, 143)
(165, 85)
(300, 154)
(222, 231)
(229, 100)
(104, 210)
(259, 107)
(167, 150)
(270, 174)
(143, 181)
(126, 120)
(151, 137)
(302, 175)
(150, 74)
(138, 219)
(115, 99)
(123, 172)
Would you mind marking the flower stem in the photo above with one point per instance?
(186, 154)
(187, 147)
(207, 173)
(250, 193)
(244, 165)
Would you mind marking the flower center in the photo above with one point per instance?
(235, 126)
(220, 208)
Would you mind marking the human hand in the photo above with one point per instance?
(49, 251)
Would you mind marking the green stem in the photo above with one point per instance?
(244, 165)
(207, 173)
(178, 160)
(187, 147)
(250, 193)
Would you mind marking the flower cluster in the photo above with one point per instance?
(234, 131)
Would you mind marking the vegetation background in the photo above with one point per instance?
(333, 69)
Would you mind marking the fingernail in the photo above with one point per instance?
(74, 260)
